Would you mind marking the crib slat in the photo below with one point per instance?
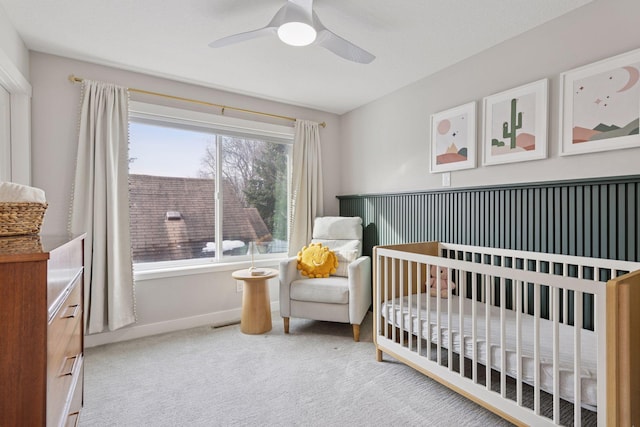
(403, 326)
(519, 288)
(462, 296)
(410, 303)
(483, 293)
(393, 298)
(438, 317)
(577, 357)
(513, 294)
(474, 327)
(565, 306)
(596, 329)
(536, 348)
(449, 322)
(556, 355)
(428, 270)
(377, 292)
(383, 328)
(418, 307)
(503, 339)
(487, 284)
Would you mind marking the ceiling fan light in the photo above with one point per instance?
(297, 33)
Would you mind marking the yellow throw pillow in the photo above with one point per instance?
(316, 260)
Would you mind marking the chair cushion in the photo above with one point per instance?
(337, 228)
(341, 245)
(332, 290)
(345, 257)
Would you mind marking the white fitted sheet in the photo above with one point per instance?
(428, 331)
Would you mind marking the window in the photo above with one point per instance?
(202, 187)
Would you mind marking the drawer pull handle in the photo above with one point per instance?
(72, 419)
(68, 366)
(70, 312)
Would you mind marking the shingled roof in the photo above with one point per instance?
(174, 218)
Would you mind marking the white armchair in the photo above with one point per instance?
(344, 297)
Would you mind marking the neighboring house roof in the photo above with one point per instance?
(159, 233)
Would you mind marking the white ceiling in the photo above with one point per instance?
(411, 39)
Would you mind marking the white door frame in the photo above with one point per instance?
(19, 90)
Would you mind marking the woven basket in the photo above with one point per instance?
(20, 245)
(21, 218)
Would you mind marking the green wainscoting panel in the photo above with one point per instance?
(595, 217)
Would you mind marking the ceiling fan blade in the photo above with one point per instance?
(248, 35)
(342, 47)
(270, 29)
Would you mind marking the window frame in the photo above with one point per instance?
(220, 125)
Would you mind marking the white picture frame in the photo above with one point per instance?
(600, 105)
(515, 125)
(453, 139)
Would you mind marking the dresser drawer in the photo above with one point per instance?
(65, 265)
(65, 319)
(76, 398)
(64, 371)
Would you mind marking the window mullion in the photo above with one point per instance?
(218, 198)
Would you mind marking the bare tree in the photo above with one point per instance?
(238, 162)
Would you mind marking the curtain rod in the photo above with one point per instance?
(74, 79)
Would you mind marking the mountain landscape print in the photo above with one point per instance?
(606, 105)
(453, 139)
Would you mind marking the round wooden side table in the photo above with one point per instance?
(256, 305)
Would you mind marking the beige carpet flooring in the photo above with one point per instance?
(316, 376)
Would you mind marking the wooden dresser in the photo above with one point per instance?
(41, 330)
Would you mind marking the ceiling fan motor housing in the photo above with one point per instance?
(295, 25)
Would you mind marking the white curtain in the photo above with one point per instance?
(307, 197)
(100, 206)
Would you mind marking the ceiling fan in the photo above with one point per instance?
(298, 25)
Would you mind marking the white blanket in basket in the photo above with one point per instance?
(12, 192)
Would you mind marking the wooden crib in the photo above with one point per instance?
(505, 337)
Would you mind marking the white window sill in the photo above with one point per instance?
(208, 268)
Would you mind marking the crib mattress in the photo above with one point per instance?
(405, 317)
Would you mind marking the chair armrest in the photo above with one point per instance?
(288, 273)
(359, 289)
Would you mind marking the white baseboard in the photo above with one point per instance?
(220, 318)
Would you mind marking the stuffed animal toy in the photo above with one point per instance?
(445, 283)
(316, 260)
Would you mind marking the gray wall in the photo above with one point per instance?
(386, 142)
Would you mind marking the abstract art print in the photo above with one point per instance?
(453, 139)
(515, 124)
(600, 105)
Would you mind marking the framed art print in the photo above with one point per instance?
(453, 139)
(515, 124)
(600, 105)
